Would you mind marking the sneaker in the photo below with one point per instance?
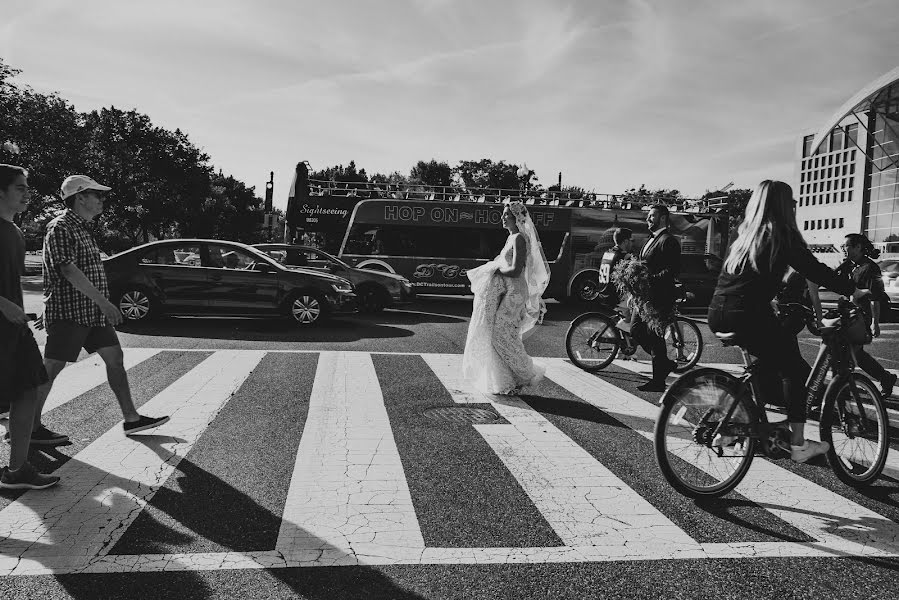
(43, 437)
(26, 478)
(886, 386)
(46, 437)
(143, 423)
(808, 450)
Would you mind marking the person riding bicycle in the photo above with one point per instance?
(865, 273)
(768, 243)
(624, 245)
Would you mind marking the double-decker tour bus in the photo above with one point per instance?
(434, 243)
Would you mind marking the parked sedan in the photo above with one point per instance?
(213, 277)
(376, 289)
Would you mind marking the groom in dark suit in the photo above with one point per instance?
(661, 253)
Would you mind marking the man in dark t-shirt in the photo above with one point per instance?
(21, 366)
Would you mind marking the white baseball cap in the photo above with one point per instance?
(78, 183)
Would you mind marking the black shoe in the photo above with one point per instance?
(43, 437)
(652, 386)
(26, 478)
(143, 423)
(886, 386)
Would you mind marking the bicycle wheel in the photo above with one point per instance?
(592, 341)
(684, 342)
(691, 411)
(856, 429)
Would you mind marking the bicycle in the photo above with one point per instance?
(595, 339)
(711, 422)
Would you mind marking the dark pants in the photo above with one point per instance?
(654, 344)
(870, 366)
(782, 372)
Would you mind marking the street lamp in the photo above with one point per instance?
(524, 174)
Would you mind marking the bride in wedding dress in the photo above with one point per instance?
(508, 304)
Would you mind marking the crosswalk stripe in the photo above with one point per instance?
(85, 375)
(349, 502)
(593, 508)
(348, 495)
(105, 486)
(801, 503)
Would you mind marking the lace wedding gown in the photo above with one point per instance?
(494, 360)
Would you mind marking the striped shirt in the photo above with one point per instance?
(69, 241)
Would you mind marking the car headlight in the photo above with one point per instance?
(342, 288)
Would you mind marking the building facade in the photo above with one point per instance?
(847, 171)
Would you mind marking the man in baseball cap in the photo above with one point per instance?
(74, 184)
(77, 310)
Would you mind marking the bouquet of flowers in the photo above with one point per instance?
(631, 279)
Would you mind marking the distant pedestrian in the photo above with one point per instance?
(77, 311)
(866, 275)
(21, 368)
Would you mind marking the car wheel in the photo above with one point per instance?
(306, 308)
(137, 304)
(585, 287)
(371, 299)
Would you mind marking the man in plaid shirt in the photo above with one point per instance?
(77, 310)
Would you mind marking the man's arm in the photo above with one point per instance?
(81, 283)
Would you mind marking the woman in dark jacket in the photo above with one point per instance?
(769, 243)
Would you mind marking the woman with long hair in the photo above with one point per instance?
(864, 273)
(508, 303)
(769, 243)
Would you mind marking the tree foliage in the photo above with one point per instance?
(163, 185)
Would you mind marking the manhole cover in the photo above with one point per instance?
(464, 415)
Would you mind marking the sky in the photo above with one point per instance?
(676, 94)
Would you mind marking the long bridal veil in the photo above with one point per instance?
(505, 308)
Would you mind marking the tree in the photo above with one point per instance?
(47, 133)
(431, 173)
(485, 173)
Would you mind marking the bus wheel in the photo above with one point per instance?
(371, 299)
(585, 287)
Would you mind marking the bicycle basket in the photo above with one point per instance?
(856, 329)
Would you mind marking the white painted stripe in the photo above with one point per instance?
(348, 494)
(106, 485)
(840, 525)
(87, 374)
(584, 502)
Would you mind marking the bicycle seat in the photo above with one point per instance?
(728, 338)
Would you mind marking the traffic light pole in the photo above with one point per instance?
(269, 194)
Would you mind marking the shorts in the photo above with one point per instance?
(21, 364)
(65, 339)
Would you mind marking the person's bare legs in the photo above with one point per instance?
(54, 368)
(118, 380)
(21, 419)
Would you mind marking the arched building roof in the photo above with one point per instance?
(860, 102)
